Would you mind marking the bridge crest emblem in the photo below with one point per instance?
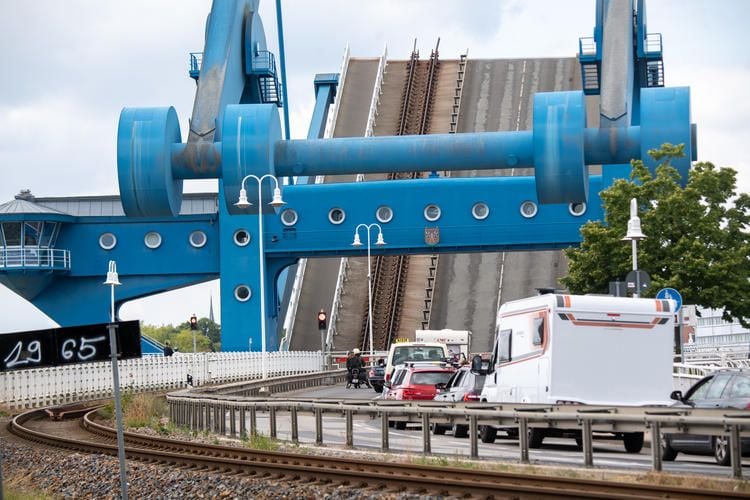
(432, 235)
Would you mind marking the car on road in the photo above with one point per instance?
(415, 381)
(728, 389)
(376, 376)
(465, 385)
(414, 352)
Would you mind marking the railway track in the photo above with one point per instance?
(389, 277)
(379, 476)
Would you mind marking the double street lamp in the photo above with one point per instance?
(358, 243)
(275, 202)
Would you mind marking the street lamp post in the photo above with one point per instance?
(358, 243)
(634, 234)
(275, 202)
(113, 280)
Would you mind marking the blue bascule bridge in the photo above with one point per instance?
(53, 251)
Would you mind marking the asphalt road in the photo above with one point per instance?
(608, 453)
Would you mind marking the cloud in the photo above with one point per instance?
(51, 143)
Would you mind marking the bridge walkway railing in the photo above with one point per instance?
(36, 387)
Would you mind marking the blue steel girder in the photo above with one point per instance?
(80, 298)
(618, 89)
(505, 228)
(325, 92)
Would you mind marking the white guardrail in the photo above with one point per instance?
(67, 384)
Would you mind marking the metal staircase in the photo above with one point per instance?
(263, 67)
(650, 63)
(590, 65)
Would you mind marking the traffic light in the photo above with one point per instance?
(193, 322)
(322, 323)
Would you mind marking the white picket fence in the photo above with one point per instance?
(67, 384)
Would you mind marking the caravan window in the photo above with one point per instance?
(503, 345)
(539, 330)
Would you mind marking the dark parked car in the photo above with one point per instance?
(464, 385)
(376, 376)
(722, 389)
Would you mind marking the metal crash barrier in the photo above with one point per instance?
(205, 410)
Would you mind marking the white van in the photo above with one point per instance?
(403, 352)
(570, 349)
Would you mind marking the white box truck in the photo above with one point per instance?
(591, 350)
(457, 341)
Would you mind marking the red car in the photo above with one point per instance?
(412, 381)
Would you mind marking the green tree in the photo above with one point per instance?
(183, 341)
(208, 328)
(697, 236)
(158, 333)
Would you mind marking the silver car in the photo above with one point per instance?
(464, 385)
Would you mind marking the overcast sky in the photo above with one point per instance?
(69, 67)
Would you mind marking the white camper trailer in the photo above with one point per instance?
(457, 341)
(570, 349)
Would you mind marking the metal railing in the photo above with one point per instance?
(34, 257)
(204, 412)
(196, 61)
(344, 265)
(336, 303)
(264, 63)
(331, 125)
(652, 44)
(587, 47)
(458, 91)
(80, 382)
(291, 314)
(718, 353)
(377, 91)
(299, 277)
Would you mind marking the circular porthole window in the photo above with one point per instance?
(480, 211)
(529, 209)
(289, 217)
(336, 216)
(197, 239)
(577, 208)
(432, 213)
(241, 238)
(107, 241)
(242, 293)
(384, 214)
(152, 240)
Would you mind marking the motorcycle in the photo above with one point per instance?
(355, 378)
